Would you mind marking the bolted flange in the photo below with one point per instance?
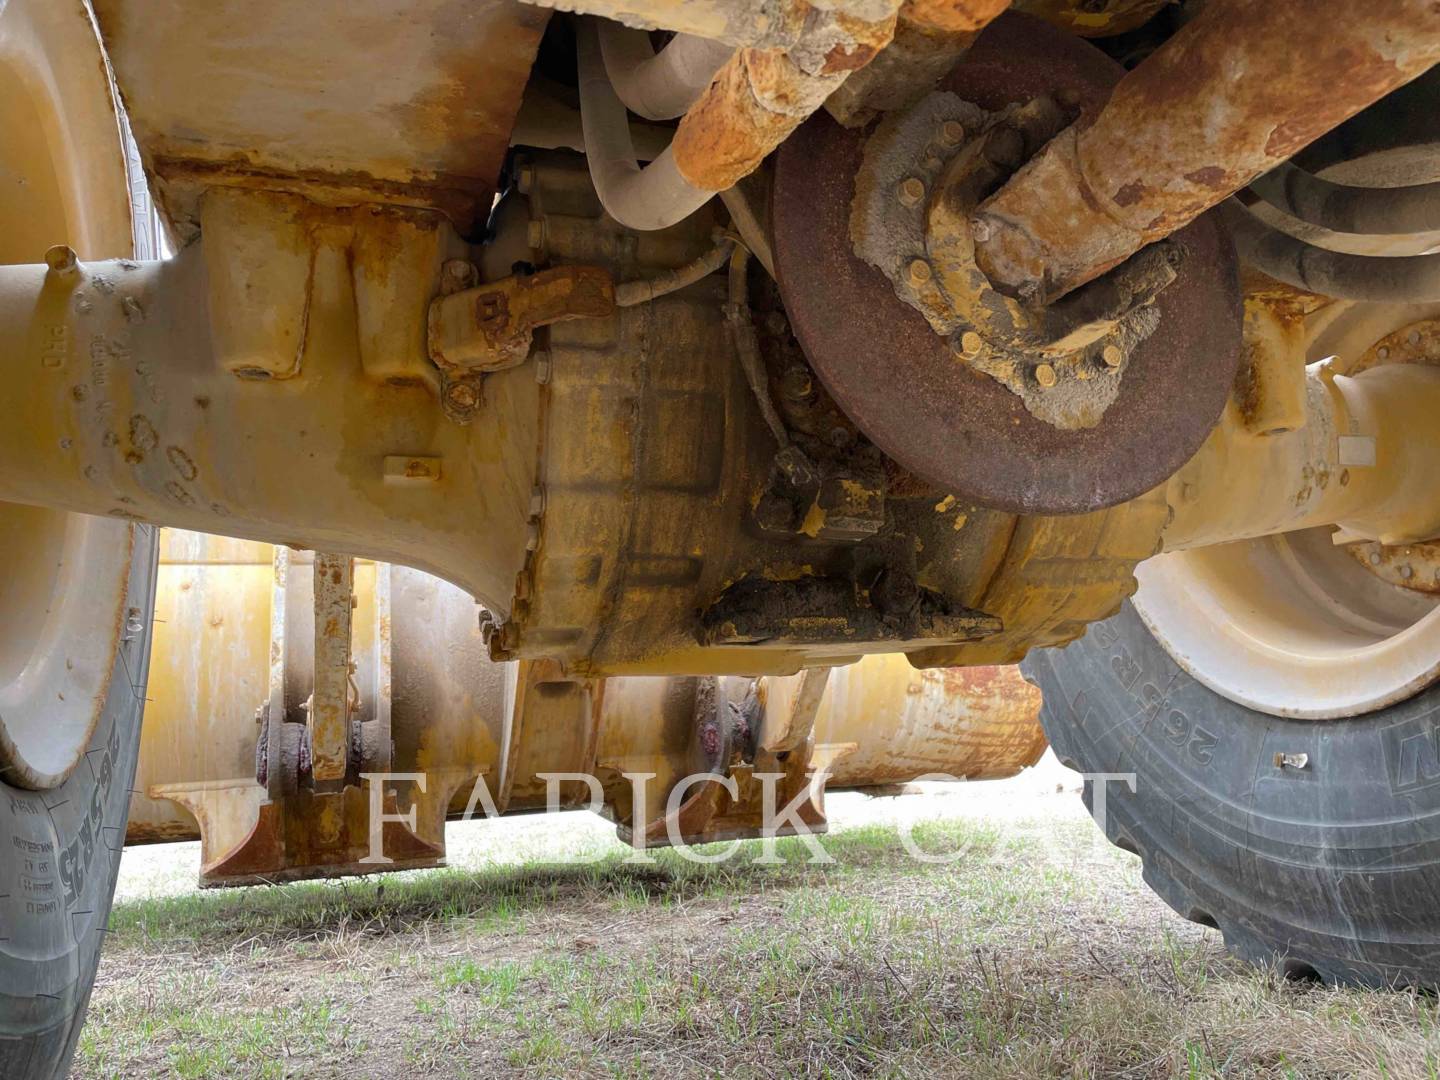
(948, 382)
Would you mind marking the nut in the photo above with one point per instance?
(461, 396)
(912, 191)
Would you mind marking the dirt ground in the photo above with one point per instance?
(1036, 951)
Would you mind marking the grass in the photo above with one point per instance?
(1019, 959)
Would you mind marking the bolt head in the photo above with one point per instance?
(912, 190)
(918, 272)
(1112, 356)
(1045, 375)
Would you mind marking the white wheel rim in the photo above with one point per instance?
(63, 576)
(1291, 626)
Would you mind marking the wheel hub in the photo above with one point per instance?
(1009, 401)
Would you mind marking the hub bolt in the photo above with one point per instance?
(912, 191)
(461, 396)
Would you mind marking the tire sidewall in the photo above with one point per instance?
(62, 852)
(1334, 865)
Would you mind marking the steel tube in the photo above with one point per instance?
(1229, 97)
(659, 86)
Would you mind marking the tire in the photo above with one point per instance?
(1329, 870)
(59, 857)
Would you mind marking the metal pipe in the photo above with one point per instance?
(1365, 459)
(1230, 96)
(1411, 279)
(653, 197)
(1383, 211)
(930, 38)
(755, 101)
(659, 86)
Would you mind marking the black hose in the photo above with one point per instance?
(1385, 211)
(1400, 279)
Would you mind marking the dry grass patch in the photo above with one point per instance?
(1035, 954)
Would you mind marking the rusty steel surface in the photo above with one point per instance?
(930, 36)
(330, 703)
(1231, 95)
(1408, 566)
(761, 95)
(954, 426)
(993, 736)
(354, 100)
(1087, 18)
(492, 326)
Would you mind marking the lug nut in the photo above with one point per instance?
(918, 272)
(912, 191)
(1112, 356)
(1045, 375)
